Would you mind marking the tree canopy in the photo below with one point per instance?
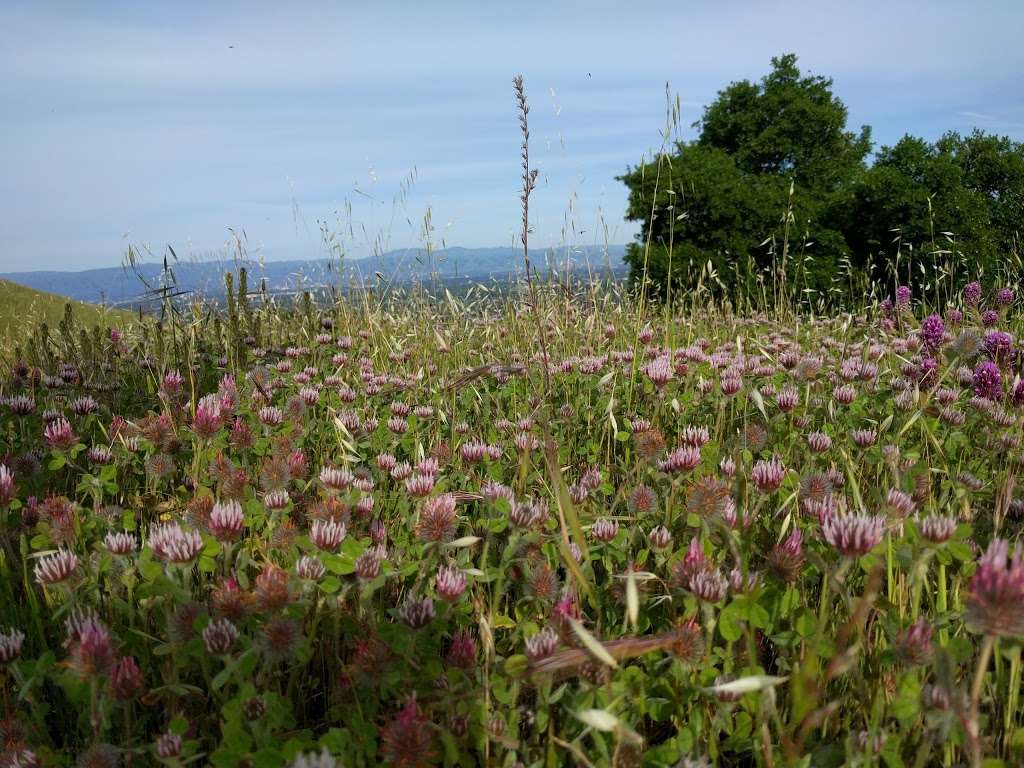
(776, 188)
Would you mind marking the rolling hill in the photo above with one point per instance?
(23, 308)
(118, 286)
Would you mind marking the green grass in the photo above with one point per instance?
(22, 309)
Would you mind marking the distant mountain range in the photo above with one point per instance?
(119, 286)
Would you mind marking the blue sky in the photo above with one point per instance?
(169, 123)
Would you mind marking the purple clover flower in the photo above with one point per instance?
(988, 381)
(933, 331)
(972, 294)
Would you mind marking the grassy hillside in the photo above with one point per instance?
(21, 309)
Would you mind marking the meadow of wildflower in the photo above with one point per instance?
(548, 525)
(417, 533)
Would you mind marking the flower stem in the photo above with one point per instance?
(979, 682)
(941, 602)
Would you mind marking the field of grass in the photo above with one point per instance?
(22, 309)
(559, 530)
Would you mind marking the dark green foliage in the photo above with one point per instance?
(789, 125)
(915, 193)
(775, 197)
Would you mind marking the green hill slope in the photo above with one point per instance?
(22, 309)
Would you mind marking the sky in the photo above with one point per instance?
(385, 124)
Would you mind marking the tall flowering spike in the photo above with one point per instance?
(169, 542)
(55, 568)
(854, 535)
(327, 534)
(767, 475)
(227, 521)
(996, 592)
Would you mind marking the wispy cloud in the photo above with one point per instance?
(1011, 119)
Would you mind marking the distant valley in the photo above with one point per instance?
(120, 286)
